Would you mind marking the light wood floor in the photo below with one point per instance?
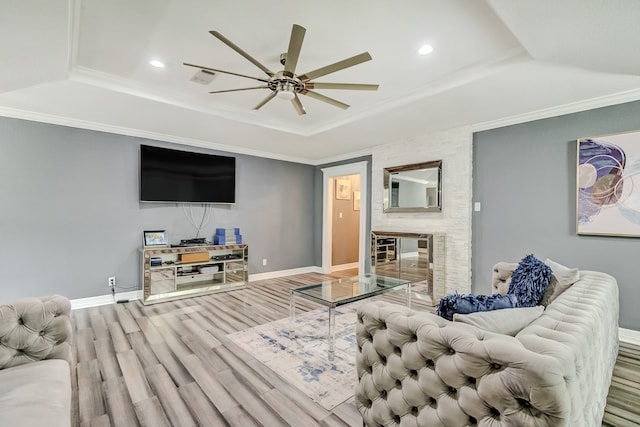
(170, 364)
(623, 408)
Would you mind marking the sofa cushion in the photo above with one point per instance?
(561, 279)
(530, 281)
(509, 321)
(36, 394)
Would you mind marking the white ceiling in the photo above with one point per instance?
(85, 63)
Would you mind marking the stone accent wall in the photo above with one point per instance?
(455, 149)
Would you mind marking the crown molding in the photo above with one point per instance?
(589, 104)
(342, 157)
(120, 130)
(560, 110)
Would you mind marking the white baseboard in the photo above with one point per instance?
(344, 266)
(283, 273)
(104, 299)
(629, 336)
(134, 295)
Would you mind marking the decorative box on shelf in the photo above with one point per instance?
(195, 257)
(226, 236)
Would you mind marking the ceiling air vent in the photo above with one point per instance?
(203, 77)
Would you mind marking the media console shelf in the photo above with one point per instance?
(383, 249)
(182, 272)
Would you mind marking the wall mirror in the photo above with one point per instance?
(413, 188)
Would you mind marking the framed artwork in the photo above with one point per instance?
(356, 200)
(343, 189)
(155, 238)
(608, 185)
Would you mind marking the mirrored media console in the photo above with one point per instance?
(181, 272)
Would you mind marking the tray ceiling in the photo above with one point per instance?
(85, 63)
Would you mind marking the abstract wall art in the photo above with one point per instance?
(608, 185)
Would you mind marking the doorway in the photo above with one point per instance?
(342, 209)
(345, 223)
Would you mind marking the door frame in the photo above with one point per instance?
(358, 168)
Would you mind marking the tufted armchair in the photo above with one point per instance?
(417, 369)
(35, 362)
(33, 329)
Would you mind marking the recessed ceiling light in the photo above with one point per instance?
(426, 49)
(157, 63)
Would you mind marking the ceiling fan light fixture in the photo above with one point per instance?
(157, 63)
(285, 90)
(286, 95)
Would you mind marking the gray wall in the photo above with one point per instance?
(525, 177)
(70, 215)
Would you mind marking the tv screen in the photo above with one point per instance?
(180, 176)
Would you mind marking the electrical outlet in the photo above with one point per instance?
(112, 281)
(264, 261)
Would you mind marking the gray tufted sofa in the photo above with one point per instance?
(35, 362)
(417, 369)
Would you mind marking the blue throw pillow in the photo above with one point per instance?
(465, 304)
(528, 285)
(529, 281)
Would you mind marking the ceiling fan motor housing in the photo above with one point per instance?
(280, 82)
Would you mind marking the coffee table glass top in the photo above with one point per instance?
(348, 289)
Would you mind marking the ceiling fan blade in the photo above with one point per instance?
(340, 65)
(224, 72)
(293, 53)
(264, 101)
(326, 99)
(298, 105)
(248, 57)
(345, 86)
(238, 90)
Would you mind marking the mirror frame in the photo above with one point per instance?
(415, 166)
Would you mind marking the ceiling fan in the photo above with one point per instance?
(286, 84)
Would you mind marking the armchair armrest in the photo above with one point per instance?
(33, 329)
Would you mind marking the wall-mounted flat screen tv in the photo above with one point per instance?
(168, 175)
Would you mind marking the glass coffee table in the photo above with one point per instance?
(335, 292)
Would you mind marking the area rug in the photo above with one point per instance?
(303, 361)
